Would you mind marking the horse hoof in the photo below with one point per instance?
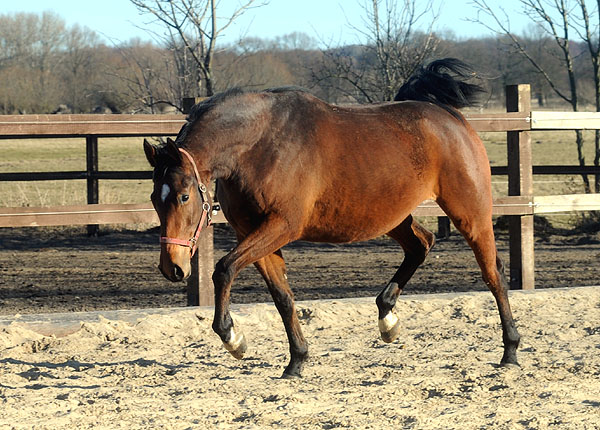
(389, 327)
(237, 344)
(291, 375)
(509, 359)
(293, 370)
(510, 364)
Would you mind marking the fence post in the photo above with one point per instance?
(200, 289)
(443, 227)
(188, 102)
(520, 183)
(91, 156)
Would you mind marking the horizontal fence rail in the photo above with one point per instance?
(145, 213)
(54, 176)
(109, 125)
(83, 215)
(146, 174)
(545, 120)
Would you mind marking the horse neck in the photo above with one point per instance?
(232, 137)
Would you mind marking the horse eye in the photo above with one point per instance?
(185, 198)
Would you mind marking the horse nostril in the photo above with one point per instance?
(177, 273)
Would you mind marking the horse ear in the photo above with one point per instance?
(173, 150)
(150, 151)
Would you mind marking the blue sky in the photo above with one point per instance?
(328, 20)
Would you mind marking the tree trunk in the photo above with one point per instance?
(579, 140)
(596, 64)
(597, 160)
(575, 104)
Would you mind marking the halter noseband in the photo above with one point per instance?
(193, 242)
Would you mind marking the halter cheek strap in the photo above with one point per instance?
(204, 218)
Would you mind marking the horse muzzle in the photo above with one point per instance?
(175, 265)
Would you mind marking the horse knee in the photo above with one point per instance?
(495, 278)
(223, 274)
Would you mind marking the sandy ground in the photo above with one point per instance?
(170, 371)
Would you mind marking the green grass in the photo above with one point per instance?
(46, 155)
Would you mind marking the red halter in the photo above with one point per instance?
(193, 242)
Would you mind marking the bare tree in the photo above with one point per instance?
(553, 17)
(590, 34)
(393, 50)
(151, 76)
(31, 46)
(80, 65)
(191, 32)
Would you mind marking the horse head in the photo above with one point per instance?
(182, 203)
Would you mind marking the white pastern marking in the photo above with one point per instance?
(235, 340)
(164, 192)
(387, 323)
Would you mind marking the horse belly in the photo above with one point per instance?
(337, 222)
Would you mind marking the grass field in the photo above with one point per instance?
(46, 155)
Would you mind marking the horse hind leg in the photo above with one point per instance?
(416, 242)
(476, 226)
(272, 269)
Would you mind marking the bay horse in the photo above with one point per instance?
(292, 167)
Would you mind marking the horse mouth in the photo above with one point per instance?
(175, 275)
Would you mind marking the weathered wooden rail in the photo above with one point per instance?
(520, 204)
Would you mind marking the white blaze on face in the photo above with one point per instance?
(164, 192)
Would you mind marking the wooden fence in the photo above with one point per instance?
(520, 204)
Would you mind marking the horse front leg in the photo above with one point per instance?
(271, 235)
(272, 269)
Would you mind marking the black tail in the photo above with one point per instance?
(443, 82)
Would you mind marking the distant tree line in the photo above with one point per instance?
(47, 66)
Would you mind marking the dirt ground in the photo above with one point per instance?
(63, 270)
